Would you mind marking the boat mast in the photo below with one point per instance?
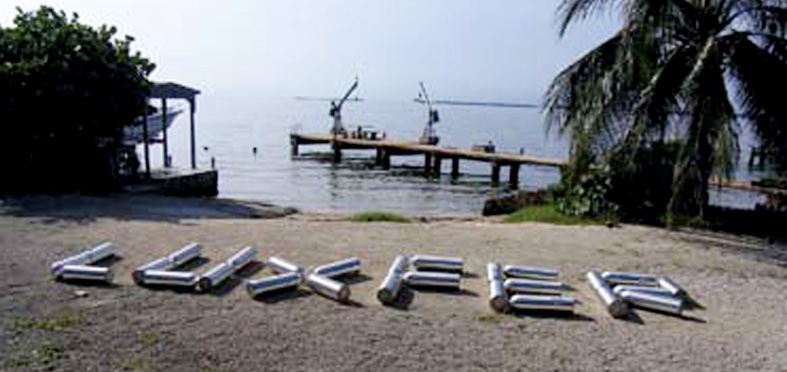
(429, 135)
(336, 109)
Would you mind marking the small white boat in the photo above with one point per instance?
(135, 132)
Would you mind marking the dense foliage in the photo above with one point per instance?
(682, 73)
(66, 91)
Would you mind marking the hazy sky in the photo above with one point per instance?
(479, 50)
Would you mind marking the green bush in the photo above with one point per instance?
(548, 213)
(66, 91)
(375, 216)
(632, 188)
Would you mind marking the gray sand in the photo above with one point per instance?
(741, 284)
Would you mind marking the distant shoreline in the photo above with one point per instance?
(473, 103)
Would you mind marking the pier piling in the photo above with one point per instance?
(386, 159)
(438, 160)
(337, 153)
(514, 175)
(455, 167)
(293, 146)
(495, 173)
(428, 162)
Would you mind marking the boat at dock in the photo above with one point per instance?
(134, 133)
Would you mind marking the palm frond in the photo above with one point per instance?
(664, 18)
(661, 98)
(571, 11)
(755, 72)
(586, 98)
(710, 144)
(771, 19)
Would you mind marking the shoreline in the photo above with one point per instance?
(124, 206)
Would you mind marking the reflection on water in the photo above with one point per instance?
(229, 128)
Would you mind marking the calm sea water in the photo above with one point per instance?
(229, 128)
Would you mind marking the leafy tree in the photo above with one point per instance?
(66, 91)
(686, 72)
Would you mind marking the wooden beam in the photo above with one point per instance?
(164, 132)
(193, 108)
(146, 146)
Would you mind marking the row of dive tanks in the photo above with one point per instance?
(510, 286)
(321, 279)
(536, 288)
(161, 271)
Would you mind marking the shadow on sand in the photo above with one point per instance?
(87, 283)
(403, 300)
(87, 209)
(685, 317)
(756, 249)
(108, 261)
(282, 295)
(446, 291)
(352, 279)
(235, 280)
(558, 315)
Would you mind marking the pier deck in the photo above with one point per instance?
(433, 154)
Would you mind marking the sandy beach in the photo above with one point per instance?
(47, 325)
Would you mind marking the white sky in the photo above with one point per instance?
(462, 49)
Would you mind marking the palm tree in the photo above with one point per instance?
(684, 71)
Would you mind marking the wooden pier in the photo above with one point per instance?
(433, 155)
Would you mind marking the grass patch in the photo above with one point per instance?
(55, 323)
(548, 213)
(375, 216)
(134, 363)
(490, 318)
(46, 356)
(148, 340)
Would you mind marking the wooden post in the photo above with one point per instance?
(145, 139)
(514, 176)
(428, 162)
(294, 143)
(337, 153)
(378, 159)
(193, 108)
(495, 173)
(438, 160)
(455, 167)
(164, 130)
(386, 159)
